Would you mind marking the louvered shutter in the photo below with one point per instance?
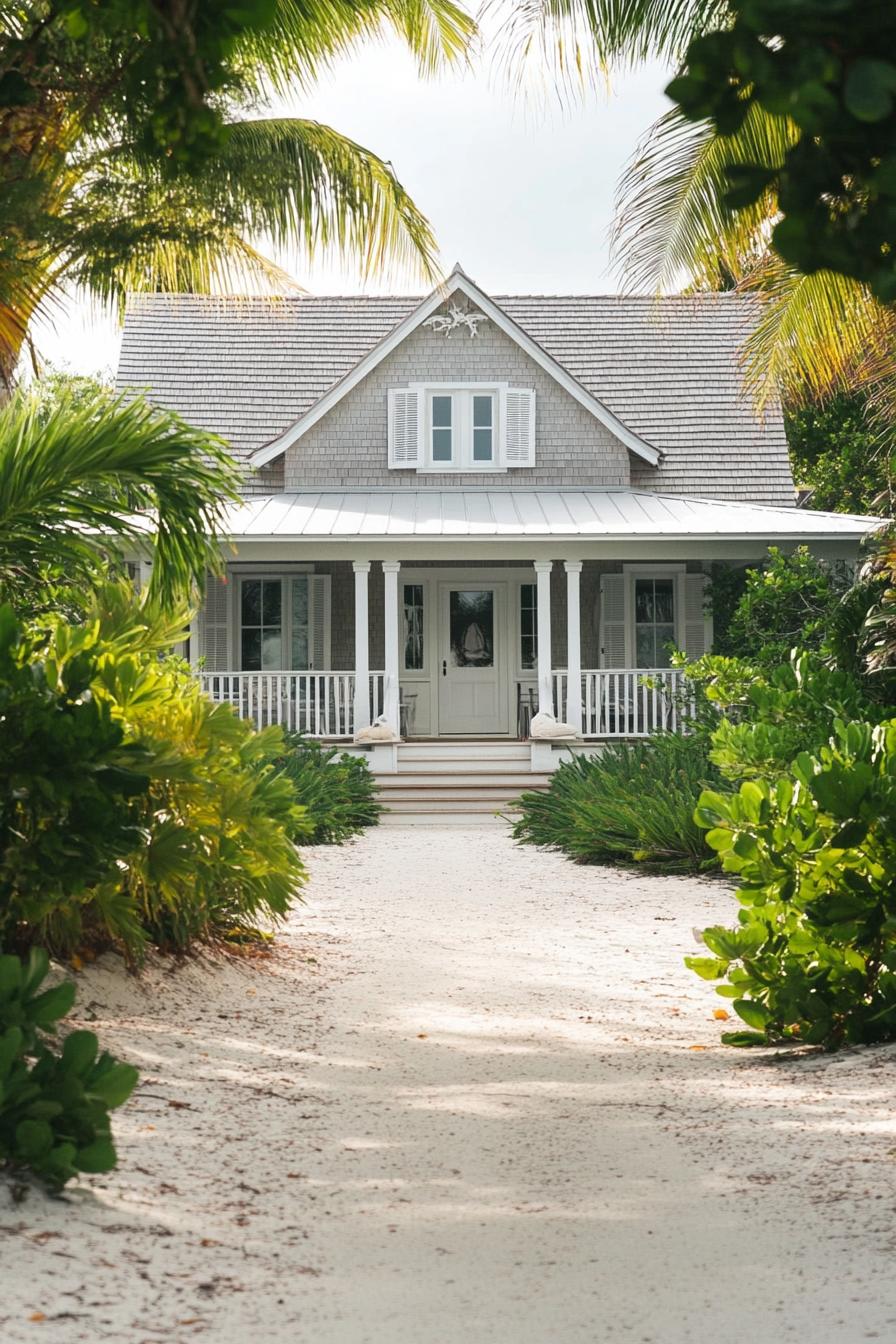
(612, 620)
(405, 429)
(319, 612)
(519, 427)
(696, 625)
(214, 625)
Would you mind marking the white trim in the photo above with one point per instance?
(676, 571)
(456, 282)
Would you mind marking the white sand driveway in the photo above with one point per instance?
(462, 1107)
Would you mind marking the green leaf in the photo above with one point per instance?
(36, 969)
(708, 968)
(34, 1139)
(869, 88)
(79, 1051)
(10, 976)
(744, 1038)
(115, 1085)
(97, 1156)
(53, 1004)
(754, 1014)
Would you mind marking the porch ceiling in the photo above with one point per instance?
(511, 514)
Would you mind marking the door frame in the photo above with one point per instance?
(424, 682)
(499, 588)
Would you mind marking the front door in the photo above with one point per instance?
(472, 653)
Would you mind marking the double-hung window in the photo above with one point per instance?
(654, 621)
(283, 622)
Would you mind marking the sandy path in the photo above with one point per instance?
(460, 1105)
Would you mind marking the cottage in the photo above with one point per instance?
(462, 510)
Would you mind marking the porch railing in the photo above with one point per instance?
(629, 702)
(318, 704)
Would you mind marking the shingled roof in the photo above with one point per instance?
(669, 368)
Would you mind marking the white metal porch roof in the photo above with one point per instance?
(511, 514)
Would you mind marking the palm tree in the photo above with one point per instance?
(93, 473)
(816, 333)
(83, 204)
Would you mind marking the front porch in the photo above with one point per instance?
(466, 651)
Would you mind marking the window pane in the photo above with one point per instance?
(644, 646)
(644, 599)
(665, 635)
(528, 626)
(271, 601)
(251, 601)
(250, 650)
(663, 601)
(482, 445)
(441, 445)
(482, 412)
(472, 623)
(413, 626)
(441, 412)
(271, 651)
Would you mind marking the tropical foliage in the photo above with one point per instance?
(54, 1104)
(827, 67)
(133, 811)
(85, 473)
(631, 803)
(337, 791)
(133, 156)
(813, 957)
(843, 458)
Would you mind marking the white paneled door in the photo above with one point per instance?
(472, 672)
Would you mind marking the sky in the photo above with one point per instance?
(518, 189)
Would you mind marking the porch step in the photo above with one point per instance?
(418, 781)
(436, 764)
(467, 750)
(496, 795)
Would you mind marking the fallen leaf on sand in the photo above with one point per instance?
(720, 1015)
(698, 1047)
(37, 1316)
(421, 1035)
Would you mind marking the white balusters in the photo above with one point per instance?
(317, 704)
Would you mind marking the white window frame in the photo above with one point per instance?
(462, 395)
(283, 573)
(677, 572)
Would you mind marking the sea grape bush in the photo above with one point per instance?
(54, 1104)
(813, 958)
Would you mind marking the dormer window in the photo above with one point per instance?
(461, 427)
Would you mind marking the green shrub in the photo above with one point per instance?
(634, 802)
(337, 791)
(790, 602)
(132, 809)
(54, 1106)
(813, 958)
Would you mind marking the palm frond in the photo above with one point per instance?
(296, 183)
(304, 40)
(671, 225)
(574, 40)
(96, 473)
(816, 334)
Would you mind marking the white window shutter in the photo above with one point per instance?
(612, 620)
(519, 427)
(319, 622)
(405, 428)
(214, 625)
(697, 626)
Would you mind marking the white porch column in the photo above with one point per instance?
(390, 637)
(545, 671)
(573, 645)
(362, 646)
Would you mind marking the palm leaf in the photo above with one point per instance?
(671, 224)
(96, 473)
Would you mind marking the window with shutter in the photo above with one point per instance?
(697, 623)
(214, 625)
(519, 427)
(404, 432)
(612, 620)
